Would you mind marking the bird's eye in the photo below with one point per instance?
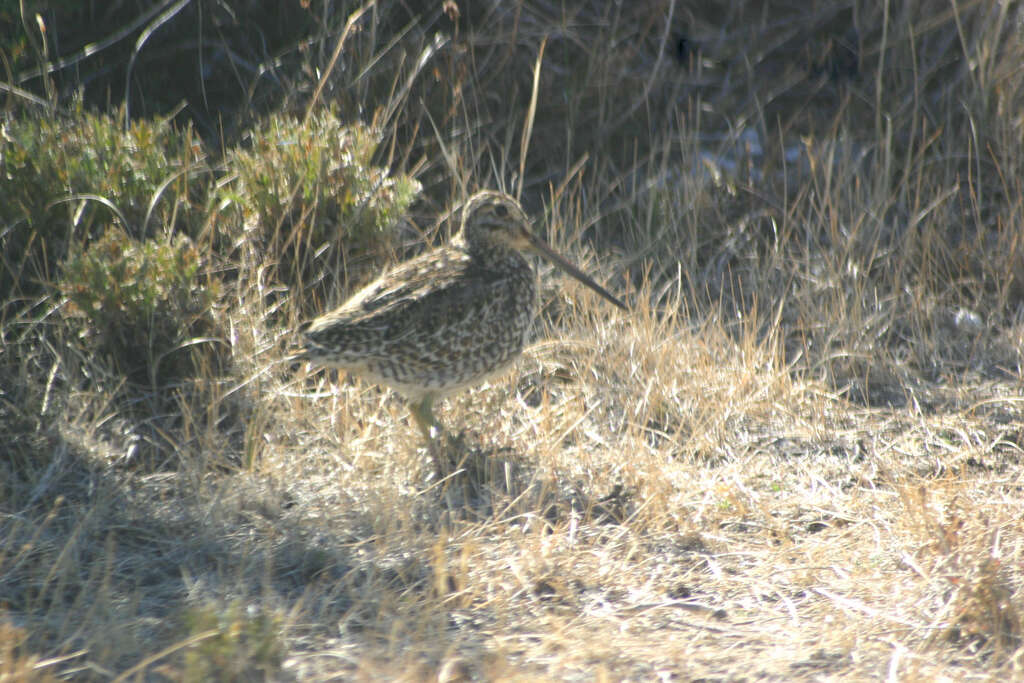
(501, 211)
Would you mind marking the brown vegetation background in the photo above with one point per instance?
(796, 457)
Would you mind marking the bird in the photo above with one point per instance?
(447, 319)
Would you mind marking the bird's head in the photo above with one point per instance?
(494, 219)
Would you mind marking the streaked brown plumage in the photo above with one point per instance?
(447, 319)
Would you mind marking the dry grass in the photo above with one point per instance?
(798, 457)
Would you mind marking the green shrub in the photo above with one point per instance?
(234, 644)
(302, 186)
(63, 181)
(140, 303)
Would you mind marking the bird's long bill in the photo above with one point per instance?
(541, 247)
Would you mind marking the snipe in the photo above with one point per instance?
(447, 319)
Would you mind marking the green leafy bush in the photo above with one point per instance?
(63, 181)
(141, 303)
(235, 644)
(302, 186)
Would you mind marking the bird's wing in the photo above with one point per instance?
(418, 295)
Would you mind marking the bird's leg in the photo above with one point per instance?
(423, 413)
